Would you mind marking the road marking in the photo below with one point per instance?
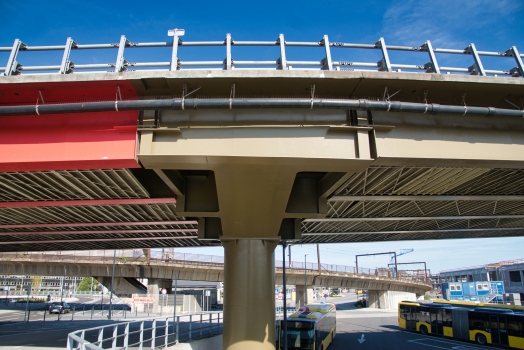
(457, 343)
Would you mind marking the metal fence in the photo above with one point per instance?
(155, 333)
(173, 63)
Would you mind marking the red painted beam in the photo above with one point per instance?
(99, 240)
(88, 202)
(97, 224)
(14, 233)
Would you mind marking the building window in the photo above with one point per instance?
(479, 286)
(514, 276)
(459, 287)
(451, 287)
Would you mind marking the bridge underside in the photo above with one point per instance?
(251, 178)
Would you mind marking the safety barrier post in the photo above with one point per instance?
(166, 333)
(190, 325)
(28, 314)
(126, 337)
(92, 311)
(141, 335)
(44, 314)
(115, 333)
(153, 335)
(177, 329)
(200, 325)
(210, 323)
(73, 314)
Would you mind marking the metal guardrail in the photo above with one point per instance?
(154, 333)
(282, 63)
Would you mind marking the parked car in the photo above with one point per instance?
(59, 308)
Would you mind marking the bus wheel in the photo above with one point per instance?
(480, 339)
(424, 330)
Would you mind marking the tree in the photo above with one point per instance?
(36, 282)
(85, 284)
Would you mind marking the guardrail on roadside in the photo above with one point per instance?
(151, 333)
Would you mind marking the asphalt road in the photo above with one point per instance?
(357, 328)
(378, 330)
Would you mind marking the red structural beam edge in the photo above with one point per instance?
(83, 202)
(174, 230)
(96, 224)
(99, 240)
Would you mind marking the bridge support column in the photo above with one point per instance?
(385, 299)
(301, 295)
(154, 288)
(249, 295)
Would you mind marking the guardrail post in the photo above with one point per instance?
(478, 63)
(12, 64)
(141, 335)
(73, 314)
(92, 311)
(228, 58)
(201, 325)
(100, 336)
(126, 337)
(190, 325)
(153, 335)
(210, 323)
(166, 333)
(44, 314)
(177, 329)
(120, 67)
(115, 333)
(282, 60)
(328, 65)
(385, 65)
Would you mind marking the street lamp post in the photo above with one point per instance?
(305, 279)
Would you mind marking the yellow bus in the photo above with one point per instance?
(313, 327)
(483, 324)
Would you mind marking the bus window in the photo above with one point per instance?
(402, 312)
(300, 335)
(478, 321)
(423, 315)
(515, 326)
(448, 319)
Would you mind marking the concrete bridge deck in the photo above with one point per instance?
(82, 266)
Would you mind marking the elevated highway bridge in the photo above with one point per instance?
(252, 158)
(162, 271)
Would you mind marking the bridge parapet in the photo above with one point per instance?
(281, 62)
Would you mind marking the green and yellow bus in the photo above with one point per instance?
(483, 324)
(313, 327)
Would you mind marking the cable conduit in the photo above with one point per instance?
(179, 104)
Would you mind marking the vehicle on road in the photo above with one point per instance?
(313, 327)
(483, 324)
(336, 292)
(59, 308)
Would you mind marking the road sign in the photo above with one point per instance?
(164, 291)
(208, 293)
(143, 300)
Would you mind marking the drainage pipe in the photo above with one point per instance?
(181, 104)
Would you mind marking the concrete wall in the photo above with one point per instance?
(385, 299)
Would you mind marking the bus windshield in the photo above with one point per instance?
(299, 338)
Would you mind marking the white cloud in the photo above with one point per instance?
(447, 23)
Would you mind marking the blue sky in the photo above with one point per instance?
(491, 25)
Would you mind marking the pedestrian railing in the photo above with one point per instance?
(342, 56)
(153, 333)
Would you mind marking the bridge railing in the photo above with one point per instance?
(282, 62)
(203, 260)
(153, 333)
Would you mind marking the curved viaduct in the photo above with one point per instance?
(198, 271)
